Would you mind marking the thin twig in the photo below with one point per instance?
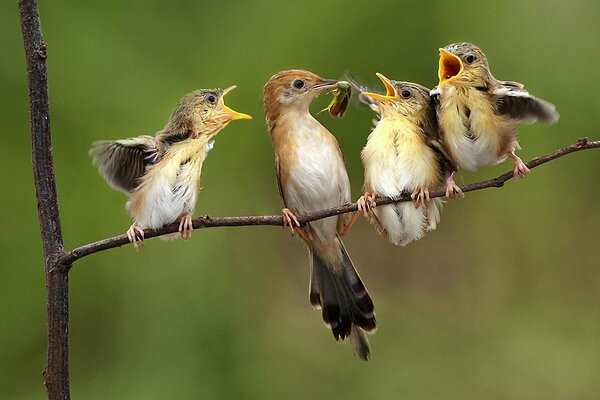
(276, 220)
(56, 372)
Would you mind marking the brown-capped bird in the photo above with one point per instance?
(478, 114)
(161, 173)
(404, 153)
(312, 176)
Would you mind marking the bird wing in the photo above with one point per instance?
(513, 100)
(435, 99)
(279, 185)
(124, 162)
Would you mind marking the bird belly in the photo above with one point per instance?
(318, 181)
(472, 131)
(169, 190)
(396, 159)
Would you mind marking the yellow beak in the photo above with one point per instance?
(450, 66)
(231, 114)
(389, 89)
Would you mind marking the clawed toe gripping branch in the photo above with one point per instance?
(58, 262)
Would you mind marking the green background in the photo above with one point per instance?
(501, 302)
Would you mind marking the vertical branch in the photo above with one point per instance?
(56, 372)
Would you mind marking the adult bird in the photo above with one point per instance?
(478, 114)
(311, 176)
(404, 153)
(161, 173)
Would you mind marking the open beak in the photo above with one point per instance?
(390, 90)
(231, 114)
(325, 84)
(450, 66)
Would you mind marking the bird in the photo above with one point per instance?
(478, 114)
(312, 176)
(161, 174)
(404, 153)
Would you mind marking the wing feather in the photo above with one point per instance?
(513, 100)
(123, 162)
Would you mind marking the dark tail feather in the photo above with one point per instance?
(345, 303)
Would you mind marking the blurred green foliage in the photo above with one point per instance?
(501, 302)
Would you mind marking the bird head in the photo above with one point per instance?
(293, 90)
(203, 111)
(463, 64)
(407, 99)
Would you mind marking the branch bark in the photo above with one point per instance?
(56, 372)
(276, 220)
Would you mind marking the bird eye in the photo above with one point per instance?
(298, 83)
(406, 93)
(211, 98)
(470, 58)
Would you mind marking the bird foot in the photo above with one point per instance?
(290, 220)
(420, 196)
(367, 202)
(185, 226)
(452, 189)
(520, 169)
(135, 234)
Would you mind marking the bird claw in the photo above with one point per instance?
(135, 234)
(452, 189)
(289, 219)
(367, 202)
(185, 226)
(520, 168)
(420, 196)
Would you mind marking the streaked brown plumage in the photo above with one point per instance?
(312, 176)
(161, 173)
(478, 114)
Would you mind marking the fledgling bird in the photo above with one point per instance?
(478, 114)
(161, 173)
(404, 153)
(312, 176)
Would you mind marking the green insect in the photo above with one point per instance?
(341, 95)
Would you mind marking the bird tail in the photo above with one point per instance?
(345, 303)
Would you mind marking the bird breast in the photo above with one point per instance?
(474, 134)
(396, 158)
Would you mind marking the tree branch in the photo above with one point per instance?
(56, 372)
(276, 220)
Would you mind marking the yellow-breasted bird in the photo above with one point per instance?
(478, 114)
(161, 173)
(312, 176)
(404, 153)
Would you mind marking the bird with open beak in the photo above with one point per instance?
(161, 173)
(478, 114)
(312, 176)
(404, 153)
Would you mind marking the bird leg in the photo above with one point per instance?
(520, 170)
(420, 196)
(364, 206)
(289, 219)
(185, 226)
(452, 189)
(366, 203)
(135, 234)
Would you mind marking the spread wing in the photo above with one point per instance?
(123, 162)
(513, 100)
